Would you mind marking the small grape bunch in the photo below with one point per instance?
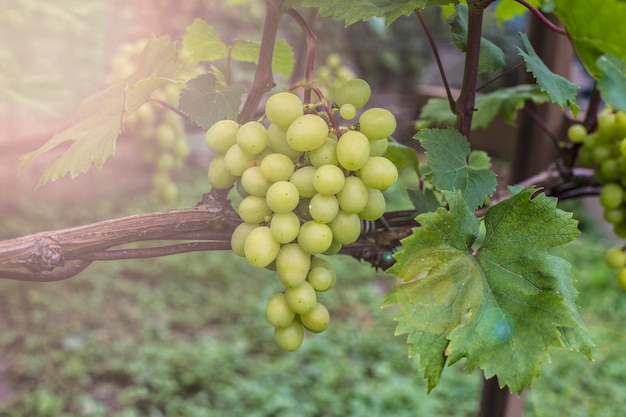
(605, 151)
(306, 184)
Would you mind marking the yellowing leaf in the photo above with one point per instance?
(203, 43)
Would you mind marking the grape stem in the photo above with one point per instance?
(169, 107)
(311, 47)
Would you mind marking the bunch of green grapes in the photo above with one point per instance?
(160, 131)
(305, 189)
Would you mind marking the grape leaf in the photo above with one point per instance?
(501, 305)
(504, 102)
(447, 151)
(594, 30)
(203, 43)
(491, 56)
(248, 51)
(353, 11)
(560, 90)
(93, 138)
(206, 102)
(402, 156)
(612, 83)
(424, 200)
(507, 10)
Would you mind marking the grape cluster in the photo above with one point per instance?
(306, 184)
(161, 132)
(605, 151)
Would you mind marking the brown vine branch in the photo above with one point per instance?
(311, 48)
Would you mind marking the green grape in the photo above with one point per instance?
(221, 136)
(292, 265)
(238, 238)
(315, 237)
(322, 279)
(601, 153)
(379, 173)
(346, 227)
(302, 210)
(218, 175)
(285, 227)
(347, 111)
(166, 162)
(278, 312)
(353, 195)
(611, 195)
(585, 157)
(614, 216)
(282, 197)
(620, 124)
(302, 298)
(353, 150)
(328, 179)
(615, 257)
(181, 148)
(254, 182)
(577, 133)
(377, 123)
(379, 147)
(326, 154)
(302, 178)
(333, 60)
(260, 248)
(253, 209)
(307, 132)
(591, 141)
(237, 161)
(276, 167)
(168, 192)
(609, 170)
(356, 92)
(252, 137)
(317, 319)
(277, 139)
(375, 206)
(283, 108)
(166, 136)
(289, 338)
(606, 124)
(323, 208)
(333, 249)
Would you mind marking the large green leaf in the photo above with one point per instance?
(491, 56)
(203, 43)
(596, 28)
(500, 306)
(353, 11)
(93, 138)
(206, 101)
(504, 102)
(560, 90)
(612, 82)
(448, 151)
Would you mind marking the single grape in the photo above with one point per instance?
(375, 206)
(326, 154)
(278, 312)
(379, 147)
(285, 227)
(347, 111)
(601, 153)
(353, 195)
(166, 136)
(260, 248)
(377, 123)
(292, 265)
(611, 195)
(353, 150)
(345, 227)
(302, 298)
(282, 197)
(219, 177)
(221, 136)
(577, 133)
(237, 160)
(307, 132)
(323, 208)
(355, 92)
(168, 193)
(609, 169)
(322, 279)
(277, 139)
(276, 167)
(614, 216)
(317, 319)
(254, 182)
(166, 162)
(328, 179)
(333, 249)
(379, 173)
(606, 124)
(302, 178)
(238, 238)
(253, 209)
(252, 137)
(615, 257)
(315, 237)
(283, 108)
(290, 337)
